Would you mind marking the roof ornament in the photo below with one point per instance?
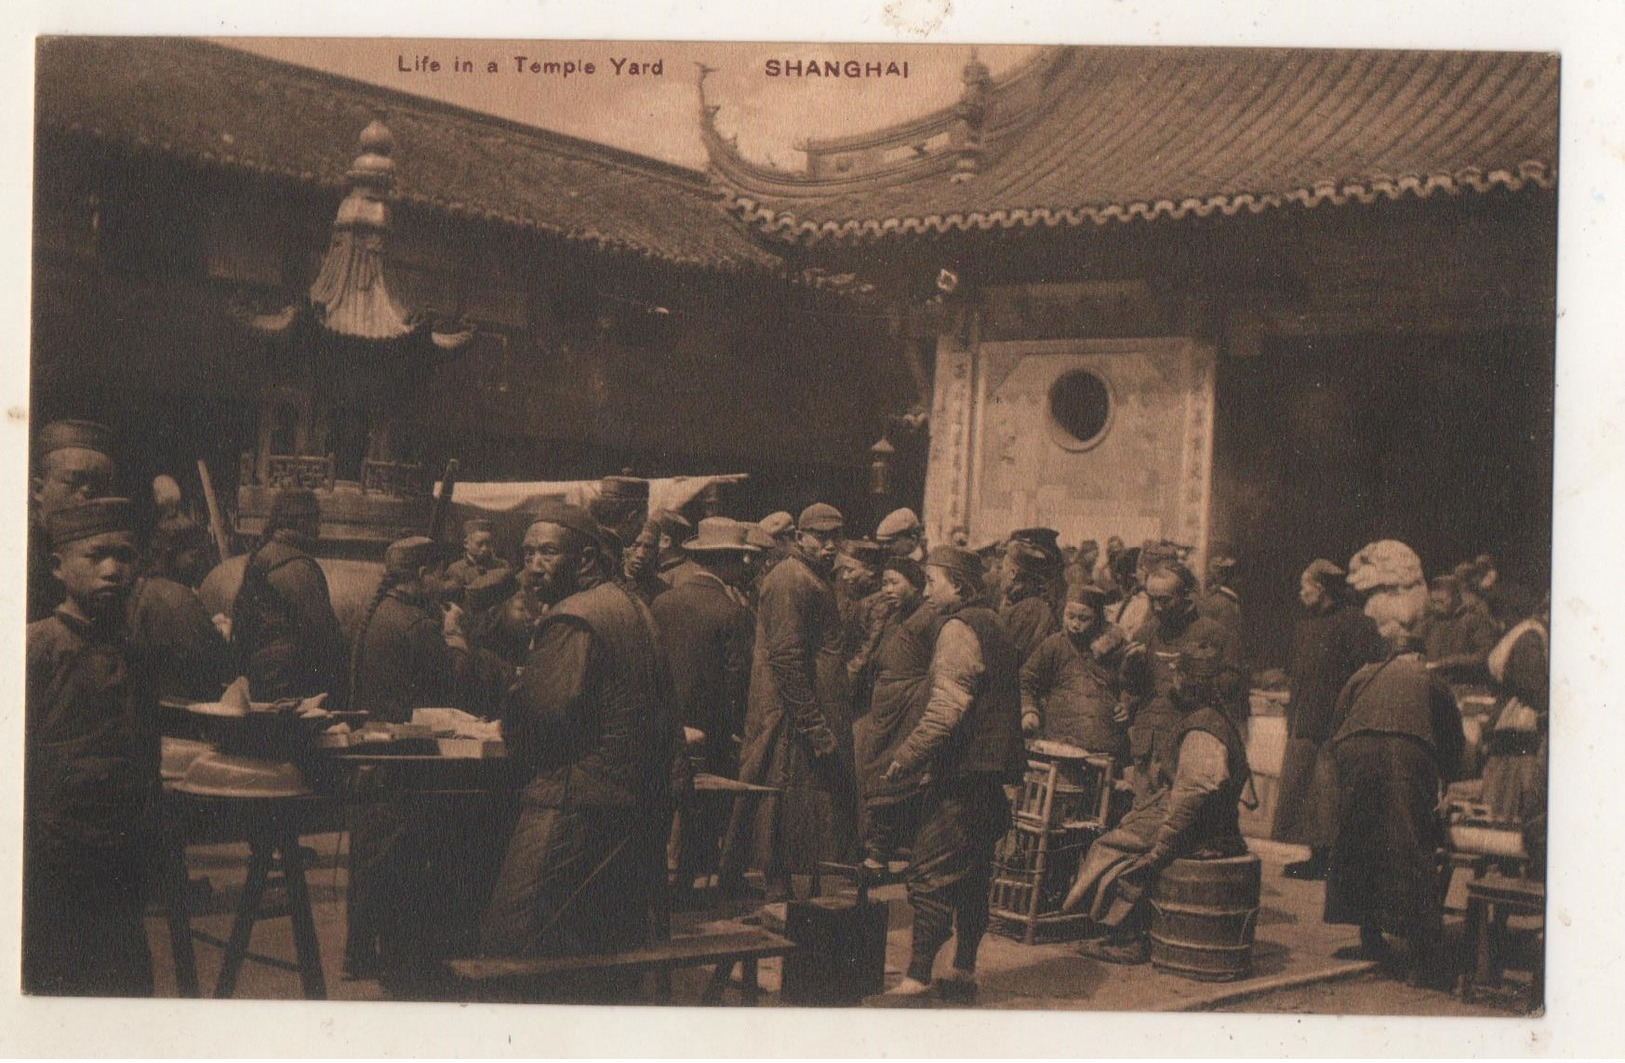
(350, 297)
(974, 104)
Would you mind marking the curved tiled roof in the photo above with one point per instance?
(1114, 134)
(212, 105)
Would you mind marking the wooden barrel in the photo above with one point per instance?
(1203, 916)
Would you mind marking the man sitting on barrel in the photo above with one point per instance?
(1191, 813)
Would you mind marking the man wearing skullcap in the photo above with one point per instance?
(1033, 588)
(902, 535)
(91, 768)
(1070, 686)
(1190, 812)
(707, 632)
(781, 528)
(1333, 640)
(1398, 739)
(479, 553)
(1456, 639)
(72, 463)
(892, 697)
(592, 718)
(798, 724)
(285, 636)
(863, 607)
(1173, 628)
(969, 740)
(408, 655)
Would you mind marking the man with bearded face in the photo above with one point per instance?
(1070, 686)
(592, 716)
(1174, 627)
(798, 724)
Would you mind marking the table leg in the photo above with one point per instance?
(750, 989)
(720, 974)
(259, 868)
(305, 944)
(178, 909)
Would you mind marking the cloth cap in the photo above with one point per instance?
(671, 523)
(293, 503)
(898, 522)
(717, 534)
(567, 515)
(758, 536)
(60, 435)
(405, 556)
(1200, 662)
(821, 517)
(958, 562)
(1154, 554)
(1046, 539)
(1088, 594)
(906, 567)
(780, 523)
(867, 552)
(1033, 558)
(96, 517)
(478, 524)
(623, 489)
(490, 589)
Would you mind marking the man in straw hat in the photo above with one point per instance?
(1398, 741)
(91, 769)
(969, 739)
(72, 463)
(1191, 812)
(797, 727)
(708, 632)
(591, 716)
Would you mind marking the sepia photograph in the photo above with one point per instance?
(969, 526)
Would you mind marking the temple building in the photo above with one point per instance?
(302, 278)
(1289, 300)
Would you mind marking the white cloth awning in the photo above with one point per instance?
(498, 499)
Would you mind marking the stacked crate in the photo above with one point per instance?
(1059, 811)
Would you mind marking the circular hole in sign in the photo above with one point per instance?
(1080, 405)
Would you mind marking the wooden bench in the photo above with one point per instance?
(1491, 901)
(721, 945)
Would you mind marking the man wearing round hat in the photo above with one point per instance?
(407, 656)
(479, 553)
(902, 535)
(797, 727)
(969, 741)
(1032, 586)
(91, 768)
(708, 633)
(285, 636)
(1191, 811)
(72, 463)
(591, 716)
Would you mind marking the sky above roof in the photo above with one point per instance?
(658, 114)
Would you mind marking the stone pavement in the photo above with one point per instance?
(1294, 947)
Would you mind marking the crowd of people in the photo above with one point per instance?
(882, 686)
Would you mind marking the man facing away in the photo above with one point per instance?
(91, 769)
(592, 717)
(969, 740)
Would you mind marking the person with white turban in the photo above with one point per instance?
(1397, 740)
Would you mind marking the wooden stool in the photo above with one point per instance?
(1490, 901)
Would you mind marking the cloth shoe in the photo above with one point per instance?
(1128, 949)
